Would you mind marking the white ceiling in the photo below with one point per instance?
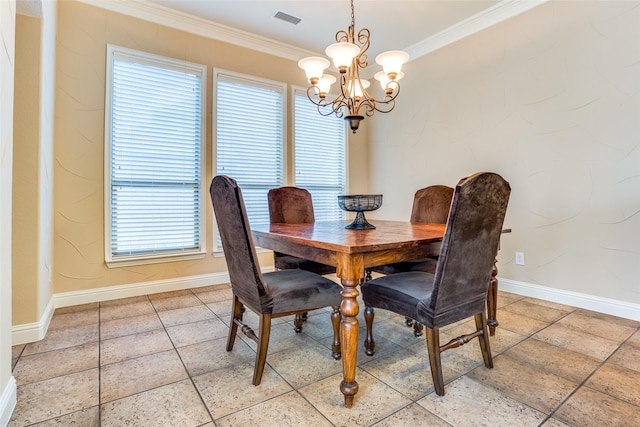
(417, 26)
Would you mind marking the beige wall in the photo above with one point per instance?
(7, 59)
(549, 99)
(83, 33)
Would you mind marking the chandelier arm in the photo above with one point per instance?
(363, 40)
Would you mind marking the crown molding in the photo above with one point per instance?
(165, 16)
(497, 13)
(192, 24)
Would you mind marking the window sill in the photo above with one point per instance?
(134, 260)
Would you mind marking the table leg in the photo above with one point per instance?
(492, 300)
(350, 277)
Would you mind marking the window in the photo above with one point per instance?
(249, 117)
(153, 152)
(320, 157)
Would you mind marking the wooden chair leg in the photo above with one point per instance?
(297, 323)
(263, 346)
(433, 346)
(485, 345)
(236, 313)
(369, 343)
(336, 352)
(417, 329)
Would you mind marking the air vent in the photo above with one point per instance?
(287, 18)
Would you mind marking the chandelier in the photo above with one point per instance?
(350, 58)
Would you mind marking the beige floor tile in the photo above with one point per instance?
(588, 407)
(627, 356)
(412, 416)
(174, 404)
(229, 390)
(174, 302)
(222, 309)
(124, 301)
(192, 333)
(373, 402)
(393, 330)
(55, 363)
(76, 308)
(120, 311)
(89, 417)
(78, 318)
(609, 318)
(169, 294)
(552, 422)
(318, 324)
(208, 296)
(518, 323)
(16, 350)
(553, 359)
(44, 400)
(131, 346)
(140, 374)
(535, 311)
(185, 315)
(618, 382)
(506, 298)
(578, 341)
(595, 326)
(63, 338)
(635, 339)
(470, 403)
(538, 389)
(406, 372)
(212, 355)
(305, 364)
(550, 304)
(129, 326)
(287, 410)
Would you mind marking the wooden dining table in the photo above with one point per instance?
(352, 252)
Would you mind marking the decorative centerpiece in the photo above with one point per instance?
(360, 203)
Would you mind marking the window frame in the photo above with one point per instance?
(112, 260)
(222, 74)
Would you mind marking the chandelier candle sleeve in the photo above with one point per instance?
(349, 56)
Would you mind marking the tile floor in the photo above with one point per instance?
(160, 360)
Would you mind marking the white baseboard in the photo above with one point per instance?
(32, 332)
(8, 400)
(575, 299)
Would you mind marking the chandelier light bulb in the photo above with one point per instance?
(384, 80)
(342, 54)
(391, 62)
(324, 84)
(313, 67)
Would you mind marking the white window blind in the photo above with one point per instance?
(250, 137)
(320, 157)
(154, 144)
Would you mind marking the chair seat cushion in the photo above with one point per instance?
(399, 293)
(298, 290)
(427, 265)
(288, 262)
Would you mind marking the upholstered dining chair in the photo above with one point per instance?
(270, 295)
(458, 289)
(430, 204)
(293, 205)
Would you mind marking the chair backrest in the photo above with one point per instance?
(290, 205)
(469, 246)
(431, 204)
(237, 242)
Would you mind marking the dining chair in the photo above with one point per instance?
(458, 288)
(430, 204)
(293, 205)
(270, 295)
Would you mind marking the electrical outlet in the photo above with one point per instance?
(519, 258)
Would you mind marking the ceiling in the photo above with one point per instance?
(417, 26)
